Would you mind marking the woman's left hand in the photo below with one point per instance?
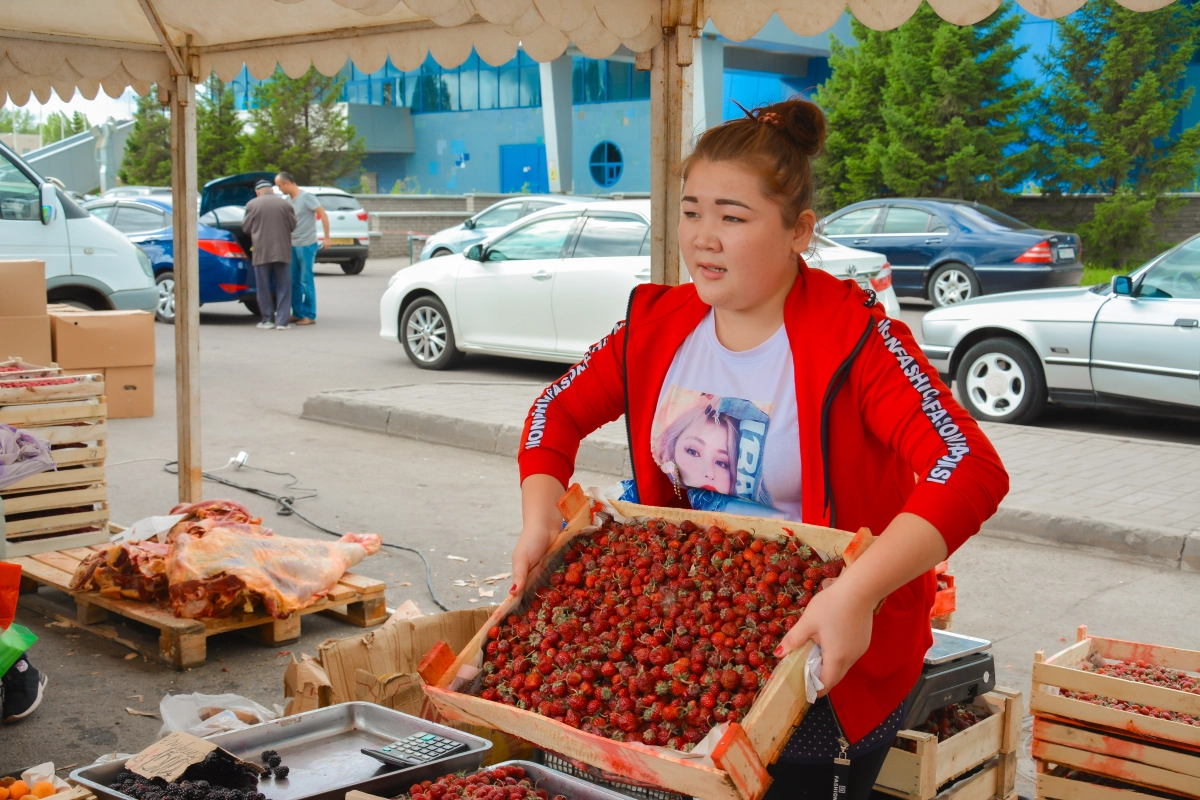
(840, 622)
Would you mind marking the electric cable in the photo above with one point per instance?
(285, 507)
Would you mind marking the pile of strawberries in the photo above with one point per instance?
(497, 783)
(654, 632)
(39, 382)
(945, 722)
(1141, 672)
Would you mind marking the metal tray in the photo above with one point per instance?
(556, 782)
(321, 748)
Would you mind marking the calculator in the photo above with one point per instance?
(420, 748)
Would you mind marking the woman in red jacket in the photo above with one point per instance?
(767, 387)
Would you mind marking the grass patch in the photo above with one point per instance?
(1094, 275)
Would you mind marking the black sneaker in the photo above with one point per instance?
(23, 688)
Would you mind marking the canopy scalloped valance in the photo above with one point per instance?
(109, 45)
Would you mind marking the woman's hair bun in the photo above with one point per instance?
(802, 121)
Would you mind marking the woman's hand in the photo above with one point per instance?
(541, 522)
(840, 622)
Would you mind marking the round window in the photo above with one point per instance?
(606, 164)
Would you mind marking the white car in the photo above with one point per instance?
(549, 286)
(349, 231)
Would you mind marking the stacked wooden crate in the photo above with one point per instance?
(67, 507)
(979, 763)
(1086, 749)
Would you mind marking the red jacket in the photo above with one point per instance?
(872, 413)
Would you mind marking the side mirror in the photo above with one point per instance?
(1123, 285)
(475, 252)
(49, 203)
(469, 224)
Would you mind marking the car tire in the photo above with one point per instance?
(441, 251)
(251, 304)
(165, 310)
(427, 335)
(354, 266)
(952, 283)
(1001, 380)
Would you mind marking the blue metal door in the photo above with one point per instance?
(523, 168)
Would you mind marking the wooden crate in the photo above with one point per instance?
(741, 754)
(920, 775)
(14, 391)
(1060, 783)
(356, 599)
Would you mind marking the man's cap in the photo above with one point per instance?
(263, 184)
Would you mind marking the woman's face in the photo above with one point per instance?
(703, 457)
(736, 247)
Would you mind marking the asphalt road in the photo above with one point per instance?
(444, 501)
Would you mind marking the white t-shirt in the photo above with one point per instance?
(726, 422)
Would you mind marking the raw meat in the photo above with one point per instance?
(210, 575)
(131, 571)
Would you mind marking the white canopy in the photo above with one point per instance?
(109, 45)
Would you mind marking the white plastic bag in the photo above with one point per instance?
(206, 714)
(44, 772)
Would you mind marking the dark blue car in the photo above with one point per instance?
(948, 250)
(225, 271)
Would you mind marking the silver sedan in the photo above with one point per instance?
(1133, 344)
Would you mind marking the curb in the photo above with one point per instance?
(1148, 544)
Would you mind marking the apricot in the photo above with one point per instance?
(18, 790)
(3, 793)
(42, 789)
(30, 797)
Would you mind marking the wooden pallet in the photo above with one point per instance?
(356, 599)
(921, 775)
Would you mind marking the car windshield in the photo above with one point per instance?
(988, 219)
(1177, 275)
(338, 202)
(498, 216)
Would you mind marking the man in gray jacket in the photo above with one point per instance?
(270, 221)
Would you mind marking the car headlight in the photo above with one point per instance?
(144, 262)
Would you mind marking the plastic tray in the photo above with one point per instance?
(321, 748)
(555, 782)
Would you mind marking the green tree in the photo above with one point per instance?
(930, 109)
(299, 126)
(219, 131)
(16, 120)
(1106, 123)
(147, 159)
(59, 126)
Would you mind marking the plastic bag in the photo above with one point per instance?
(14, 641)
(44, 772)
(206, 714)
(22, 454)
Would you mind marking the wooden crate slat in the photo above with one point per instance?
(28, 547)
(1145, 694)
(49, 414)
(63, 478)
(1173, 657)
(1044, 703)
(69, 456)
(47, 501)
(58, 560)
(43, 573)
(79, 553)
(1118, 768)
(78, 387)
(1053, 787)
(984, 785)
(1072, 656)
(340, 593)
(782, 699)
(362, 584)
(77, 433)
(56, 523)
(1094, 742)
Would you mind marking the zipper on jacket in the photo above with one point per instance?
(625, 371)
(835, 385)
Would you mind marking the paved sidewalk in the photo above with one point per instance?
(1135, 498)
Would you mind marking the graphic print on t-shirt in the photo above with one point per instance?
(716, 444)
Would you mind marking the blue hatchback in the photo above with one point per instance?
(950, 250)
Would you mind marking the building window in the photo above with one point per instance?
(473, 85)
(602, 81)
(606, 164)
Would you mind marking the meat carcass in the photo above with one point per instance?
(208, 514)
(131, 571)
(211, 573)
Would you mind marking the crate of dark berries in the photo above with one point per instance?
(642, 645)
(1118, 709)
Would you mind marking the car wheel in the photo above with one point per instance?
(952, 283)
(165, 310)
(441, 251)
(251, 304)
(1001, 380)
(427, 335)
(354, 267)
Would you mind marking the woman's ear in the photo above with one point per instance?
(802, 235)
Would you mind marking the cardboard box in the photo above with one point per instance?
(89, 339)
(26, 338)
(130, 391)
(22, 288)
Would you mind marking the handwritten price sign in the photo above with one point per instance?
(168, 758)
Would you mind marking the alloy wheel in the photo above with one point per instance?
(426, 334)
(166, 298)
(996, 384)
(952, 286)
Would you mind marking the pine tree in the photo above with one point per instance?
(1107, 121)
(59, 126)
(147, 159)
(299, 126)
(17, 120)
(219, 131)
(928, 110)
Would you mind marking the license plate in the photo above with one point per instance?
(351, 241)
(1066, 254)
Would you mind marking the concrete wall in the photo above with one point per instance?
(1067, 213)
(444, 138)
(627, 125)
